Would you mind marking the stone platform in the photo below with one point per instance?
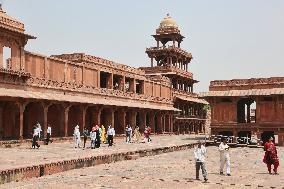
(22, 162)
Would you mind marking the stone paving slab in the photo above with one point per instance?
(23, 156)
(170, 170)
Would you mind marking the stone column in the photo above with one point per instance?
(66, 112)
(84, 111)
(152, 121)
(45, 111)
(21, 111)
(152, 62)
(248, 113)
(123, 119)
(142, 119)
(97, 116)
(110, 81)
(133, 118)
(132, 85)
(22, 60)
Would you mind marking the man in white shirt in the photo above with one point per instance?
(48, 134)
(110, 135)
(199, 156)
(224, 157)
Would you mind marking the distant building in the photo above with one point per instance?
(232, 112)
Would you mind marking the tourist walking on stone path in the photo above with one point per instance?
(110, 135)
(35, 137)
(48, 135)
(93, 138)
(199, 156)
(270, 157)
(129, 134)
(85, 134)
(136, 134)
(103, 134)
(224, 157)
(77, 139)
(146, 135)
(126, 133)
(39, 130)
(98, 136)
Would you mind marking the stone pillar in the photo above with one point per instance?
(22, 60)
(123, 119)
(248, 113)
(152, 121)
(112, 117)
(110, 81)
(142, 119)
(133, 118)
(66, 112)
(152, 62)
(97, 116)
(45, 111)
(132, 85)
(21, 111)
(84, 111)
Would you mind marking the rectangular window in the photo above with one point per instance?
(7, 54)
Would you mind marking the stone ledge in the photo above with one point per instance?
(18, 174)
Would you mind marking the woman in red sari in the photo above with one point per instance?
(270, 157)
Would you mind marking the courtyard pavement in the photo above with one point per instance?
(170, 170)
(23, 155)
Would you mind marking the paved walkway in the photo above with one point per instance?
(169, 170)
(23, 156)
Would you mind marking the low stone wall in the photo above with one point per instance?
(65, 165)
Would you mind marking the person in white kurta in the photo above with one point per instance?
(199, 156)
(77, 139)
(224, 157)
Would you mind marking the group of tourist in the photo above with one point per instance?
(270, 158)
(135, 136)
(97, 136)
(37, 134)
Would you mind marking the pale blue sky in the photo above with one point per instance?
(228, 39)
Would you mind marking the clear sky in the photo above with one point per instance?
(228, 39)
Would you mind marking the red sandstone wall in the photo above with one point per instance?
(34, 65)
(270, 111)
(224, 112)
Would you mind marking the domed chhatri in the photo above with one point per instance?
(9, 22)
(168, 22)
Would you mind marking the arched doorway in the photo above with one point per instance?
(33, 114)
(246, 111)
(55, 117)
(75, 117)
(10, 121)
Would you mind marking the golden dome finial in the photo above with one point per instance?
(168, 22)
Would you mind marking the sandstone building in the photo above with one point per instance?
(245, 107)
(69, 89)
